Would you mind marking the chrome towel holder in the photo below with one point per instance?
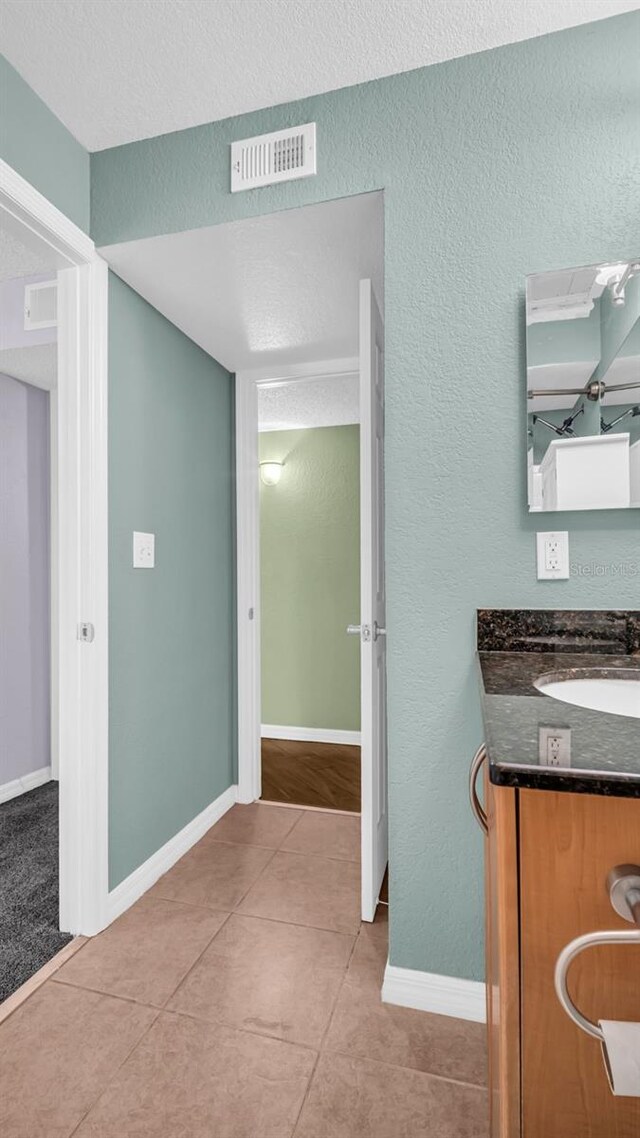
(476, 805)
(623, 887)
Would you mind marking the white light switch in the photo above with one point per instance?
(144, 550)
(553, 556)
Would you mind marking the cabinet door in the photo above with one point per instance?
(502, 955)
(568, 844)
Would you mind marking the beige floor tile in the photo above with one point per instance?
(330, 835)
(255, 825)
(275, 979)
(146, 953)
(307, 890)
(190, 1079)
(354, 1098)
(214, 874)
(58, 1052)
(362, 1025)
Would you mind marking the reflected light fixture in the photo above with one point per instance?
(270, 473)
(618, 285)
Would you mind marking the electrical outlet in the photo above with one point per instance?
(144, 550)
(553, 556)
(554, 746)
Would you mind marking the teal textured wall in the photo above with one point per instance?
(171, 631)
(494, 166)
(40, 148)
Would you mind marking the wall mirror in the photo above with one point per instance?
(583, 388)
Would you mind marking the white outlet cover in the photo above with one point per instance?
(144, 550)
(554, 746)
(553, 556)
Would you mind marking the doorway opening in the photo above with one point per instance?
(53, 821)
(369, 627)
(309, 487)
(29, 883)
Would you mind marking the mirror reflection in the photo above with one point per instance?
(583, 387)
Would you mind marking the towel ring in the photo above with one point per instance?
(476, 805)
(623, 886)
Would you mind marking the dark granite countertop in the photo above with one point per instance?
(515, 647)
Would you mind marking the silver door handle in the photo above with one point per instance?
(623, 886)
(361, 630)
(364, 630)
(476, 805)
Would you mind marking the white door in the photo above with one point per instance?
(373, 639)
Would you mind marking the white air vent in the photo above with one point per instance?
(40, 305)
(277, 157)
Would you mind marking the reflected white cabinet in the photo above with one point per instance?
(590, 473)
(634, 473)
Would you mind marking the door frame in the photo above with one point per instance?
(248, 553)
(82, 548)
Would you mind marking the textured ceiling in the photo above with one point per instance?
(275, 290)
(118, 70)
(328, 401)
(37, 365)
(16, 260)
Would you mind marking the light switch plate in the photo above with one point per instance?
(144, 550)
(553, 556)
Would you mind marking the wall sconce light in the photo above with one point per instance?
(270, 472)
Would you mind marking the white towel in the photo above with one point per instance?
(621, 1052)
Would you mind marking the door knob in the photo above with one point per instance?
(361, 630)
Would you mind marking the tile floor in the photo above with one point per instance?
(240, 998)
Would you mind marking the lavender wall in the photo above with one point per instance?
(24, 580)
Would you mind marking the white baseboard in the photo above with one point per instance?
(310, 734)
(146, 875)
(27, 782)
(429, 992)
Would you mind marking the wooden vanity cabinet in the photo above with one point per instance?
(502, 960)
(547, 859)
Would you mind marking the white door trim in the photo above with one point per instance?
(82, 548)
(248, 554)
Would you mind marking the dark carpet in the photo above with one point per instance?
(29, 934)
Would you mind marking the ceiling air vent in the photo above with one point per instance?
(40, 305)
(277, 157)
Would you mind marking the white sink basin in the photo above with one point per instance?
(614, 690)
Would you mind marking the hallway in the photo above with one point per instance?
(240, 998)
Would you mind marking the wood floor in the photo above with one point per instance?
(325, 775)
